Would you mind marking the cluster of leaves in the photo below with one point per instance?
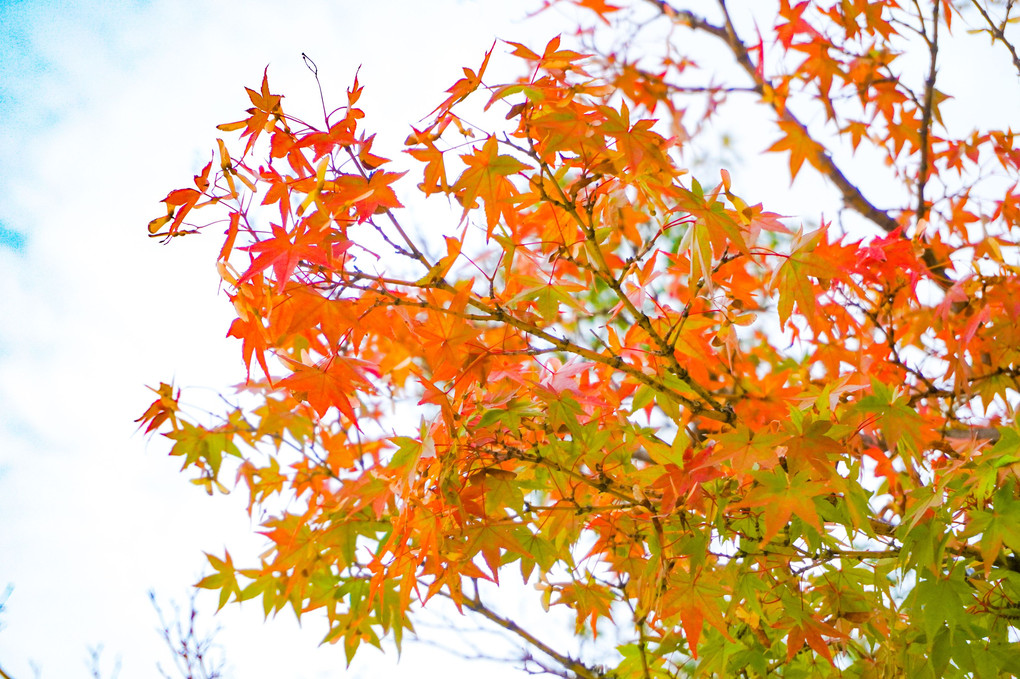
(753, 447)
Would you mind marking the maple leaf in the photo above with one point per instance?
(178, 203)
(857, 130)
(601, 8)
(801, 146)
(252, 334)
(812, 632)
(267, 107)
(795, 24)
(465, 86)
(367, 198)
(162, 409)
(884, 467)
(329, 383)
(560, 378)
(780, 497)
(279, 192)
(811, 257)
(486, 178)
(442, 267)
(589, 600)
(283, 254)
(224, 579)
(553, 58)
(435, 168)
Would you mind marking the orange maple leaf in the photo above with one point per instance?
(801, 146)
(811, 631)
(252, 334)
(465, 86)
(330, 382)
(487, 178)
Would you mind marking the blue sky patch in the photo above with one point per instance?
(9, 238)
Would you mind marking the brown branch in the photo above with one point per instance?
(937, 268)
(959, 433)
(989, 433)
(415, 252)
(1009, 562)
(927, 109)
(604, 484)
(575, 666)
(998, 34)
(862, 553)
(852, 196)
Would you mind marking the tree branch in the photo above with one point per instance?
(998, 34)
(575, 666)
(852, 196)
(926, 113)
(1003, 560)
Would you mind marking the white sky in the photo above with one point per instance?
(104, 107)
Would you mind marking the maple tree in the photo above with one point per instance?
(750, 445)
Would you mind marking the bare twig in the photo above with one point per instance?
(191, 650)
(94, 663)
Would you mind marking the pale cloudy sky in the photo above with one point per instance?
(104, 107)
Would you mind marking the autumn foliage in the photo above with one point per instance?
(750, 443)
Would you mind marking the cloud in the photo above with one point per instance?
(104, 107)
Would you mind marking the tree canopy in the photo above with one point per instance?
(752, 443)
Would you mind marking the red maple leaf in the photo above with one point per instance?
(283, 255)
